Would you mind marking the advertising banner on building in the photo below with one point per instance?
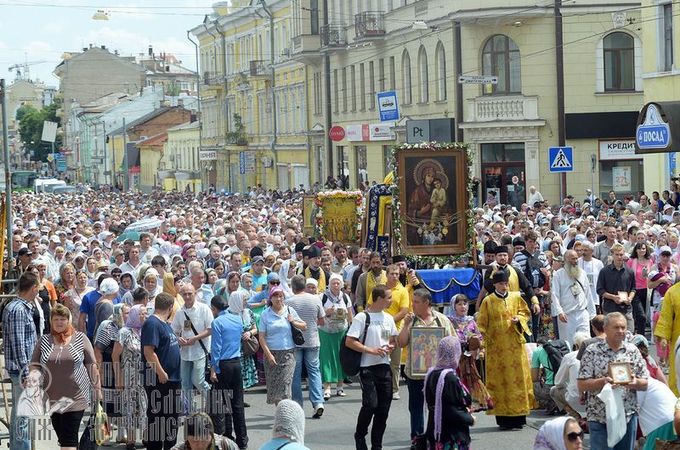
(621, 177)
(617, 150)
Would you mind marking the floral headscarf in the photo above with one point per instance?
(134, 320)
(448, 356)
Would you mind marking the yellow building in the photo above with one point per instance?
(661, 77)
(180, 158)
(238, 109)
(411, 47)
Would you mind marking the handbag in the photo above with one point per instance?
(350, 359)
(298, 337)
(250, 346)
(208, 363)
(667, 445)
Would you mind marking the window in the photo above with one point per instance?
(667, 29)
(344, 89)
(423, 79)
(336, 95)
(362, 88)
(440, 71)
(392, 73)
(317, 93)
(371, 86)
(619, 65)
(381, 74)
(500, 57)
(361, 164)
(353, 93)
(406, 77)
(314, 16)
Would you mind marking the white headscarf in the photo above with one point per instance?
(289, 421)
(235, 301)
(551, 435)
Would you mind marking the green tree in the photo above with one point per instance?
(31, 125)
(238, 136)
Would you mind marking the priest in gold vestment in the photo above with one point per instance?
(503, 321)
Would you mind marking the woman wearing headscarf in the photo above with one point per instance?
(73, 298)
(289, 428)
(448, 401)
(67, 281)
(105, 338)
(286, 272)
(471, 341)
(237, 301)
(127, 286)
(127, 364)
(563, 433)
(338, 308)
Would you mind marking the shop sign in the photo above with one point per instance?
(246, 162)
(615, 150)
(337, 133)
(381, 131)
(207, 155)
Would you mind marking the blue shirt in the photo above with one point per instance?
(257, 298)
(87, 307)
(160, 336)
(20, 335)
(277, 328)
(226, 338)
(276, 443)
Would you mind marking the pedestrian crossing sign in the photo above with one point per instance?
(561, 159)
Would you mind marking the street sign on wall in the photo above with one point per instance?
(207, 155)
(653, 133)
(478, 79)
(388, 106)
(246, 162)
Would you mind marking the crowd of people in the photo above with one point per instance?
(220, 293)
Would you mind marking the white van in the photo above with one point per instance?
(47, 184)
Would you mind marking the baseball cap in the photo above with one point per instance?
(665, 249)
(257, 259)
(24, 251)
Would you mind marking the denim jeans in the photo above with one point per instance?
(193, 376)
(310, 356)
(376, 399)
(598, 436)
(416, 406)
(19, 437)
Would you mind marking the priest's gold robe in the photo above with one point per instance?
(508, 375)
(668, 327)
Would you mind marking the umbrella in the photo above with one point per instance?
(134, 235)
(148, 223)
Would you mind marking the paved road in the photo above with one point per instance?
(334, 431)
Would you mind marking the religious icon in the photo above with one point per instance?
(621, 372)
(423, 348)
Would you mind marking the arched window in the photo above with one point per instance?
(440, 70)
(619, 62)
(423, 78)
(500, 57)
(406, 77)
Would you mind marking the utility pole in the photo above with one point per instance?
(8, 173)
(198, 94)
(272, 85)
(559, 65)
(126, 158)
(327, 94)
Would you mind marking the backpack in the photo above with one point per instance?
(555, 349)
(350, 359)
(345, 299)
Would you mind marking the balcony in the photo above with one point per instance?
(502, 108)
(259, 68)
(211, 78)
(369, 25)
(333, 36)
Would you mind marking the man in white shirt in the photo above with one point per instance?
(134, 262)
(572, 300)
(592, 267)
(192, 325)
(375, 373)
(146, 251)
(564, 393)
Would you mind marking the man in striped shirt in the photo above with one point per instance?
(20, 321)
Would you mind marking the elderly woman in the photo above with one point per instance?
(276, 342)
(563, 433)
(67, 281)
(199, 433)
(127, 365)
(338, 309)
(448, 402)
(69, 358)
(289, 428)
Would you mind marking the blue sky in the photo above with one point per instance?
(42, 30)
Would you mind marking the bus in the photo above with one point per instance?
(24, 180)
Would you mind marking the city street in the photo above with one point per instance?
(336, 428)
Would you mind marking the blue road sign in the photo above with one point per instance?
(60, 162)
(242, 162)
(388, 106)
(653, 133)
(561, 159)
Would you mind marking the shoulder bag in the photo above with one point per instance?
(249, 346)
(350, 359)
(208, 362)
(298, 337)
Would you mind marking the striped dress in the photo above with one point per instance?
(66, 365)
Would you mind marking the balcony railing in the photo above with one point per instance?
(498, 108)
(369, 24)
(258, 68)
(333, 36)
(211, 78)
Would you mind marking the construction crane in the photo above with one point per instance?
(22, 69)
